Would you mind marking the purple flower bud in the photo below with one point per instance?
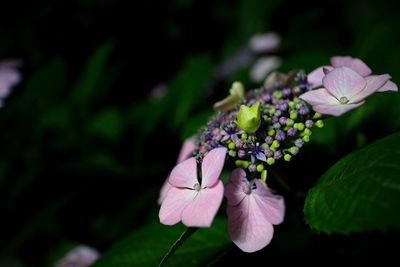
(299, 143)
(280, 135)
(268, 152)
(278, 154)
(282, 120)
(291, 132)
(299, 105)
(252, 168)
(286, 92)
(266, 97)
(283, 106)
(269, 140)
(275, 119)
(303, 111)
(309, 123)
(241, 153)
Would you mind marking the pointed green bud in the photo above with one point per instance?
(277, 94)
(317, 115)
(244, 136)
(289, 122)
(270, 161)
(293, 115)
(236, 93)
(319, 123)
(287, 157)
(232, 153)
(271, 132)
(294, 150)
(300, 126)
(260, 167)
(275, 144)
(265, 145)
(306, 138)
(249, 118)
(292, 105)
(242, 163)
(307, 131)
(231, 146)
(264, 176)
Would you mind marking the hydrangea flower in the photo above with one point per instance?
(9, 77)
(190, 200)
(344, 89)
(80, 256)
(252, 210)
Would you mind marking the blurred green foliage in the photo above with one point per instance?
(85, 146)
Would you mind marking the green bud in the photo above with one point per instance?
(265, 145)
(242, 163)
(271, 132)
(277, 94)
(260, 167)
(317, 115)
(270, 161)
(292, 105)
(293, 115)
(307, 131)
(275, 144)
(228, 103)
(231, 145)
(289, 122)
(287, 157)
(306, 138)
(244, 136)
(249, 118)
(264, 175)
(319, 123)
(296, 100)
(232, 153)
(300, 126)
(294, 150)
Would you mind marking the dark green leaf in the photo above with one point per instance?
(148, 245)
(361, 192)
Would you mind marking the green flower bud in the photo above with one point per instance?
(275, 144)
(277, 94)
(249, 118)
(287, 157)
(289, 122)
(319, 123)
(242, 163)
(307, 131)
(231, 146)
(264, 175)
(292, 105)
(232, 153)
(293, 115)
(294, 150)
(244, 136)
(317, 115)
(270, 161)
(260, 167)
(306, 138)
(300, 126)
(265, 145)
(271, 132)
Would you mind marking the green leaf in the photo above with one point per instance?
(149, 245)
(108, 125)
(361, 192)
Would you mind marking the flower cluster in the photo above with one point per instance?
(254, 130)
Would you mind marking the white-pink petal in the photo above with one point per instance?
(184, 174)
(315, 77)
(264, 42)
(164, 191)
(374, 83)
(174, 203)
(355, 64)
(212, 165)
(389, 86)
(336, 110)
(187, 149)
(80, 256)
(247, 226)
(318, 97)
(343, 82)
(201, 211)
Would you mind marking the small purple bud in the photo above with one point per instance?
(283, 106)
(286, 92)
(238, 142)
(303, 111)
(266, 97)
(277, 154)
(299, 143)
(291, 132)
(269, 140)
(280, 135)
(275, 120)
(309, 123)
(252, 168)
(299, 105)
(268, 152)
(241, 153)
(282, 120)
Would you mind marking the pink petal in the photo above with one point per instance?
(374, 83)
(247, 226)
(164, 191)
(9, 77)
(318, 97)
(201, 211)
(174, 203)
(187, 149)
(234, 189)
(272, 206)
(388, 86)
(315, 77)
(355, 64)
(336, 110)
(212, 165)
(80, 256)
(184, 174)
(343, 82)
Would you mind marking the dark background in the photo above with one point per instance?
(84, 147)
